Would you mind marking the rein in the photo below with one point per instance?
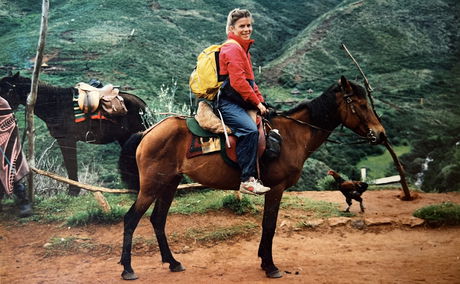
(303, 122)
(363, 139)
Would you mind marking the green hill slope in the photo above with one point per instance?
(410, 53)
(143, 44)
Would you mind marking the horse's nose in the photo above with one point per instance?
(376, 137)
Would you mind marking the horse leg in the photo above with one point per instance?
(131, 220)
(158, 220)
(69, 153)
(271, 207)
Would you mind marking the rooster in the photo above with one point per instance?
(350, 189)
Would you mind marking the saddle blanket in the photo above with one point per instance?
(203, 142)
(80, 116)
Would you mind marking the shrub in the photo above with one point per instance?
(239, 207)
(328, 182)
(312, 171)
(446, 213)
(97, 216)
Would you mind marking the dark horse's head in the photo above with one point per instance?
(357, 113)
(348, 104)
(14, 89)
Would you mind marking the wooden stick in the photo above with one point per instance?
(102, 201)
(400, 168)
(398, 165)
(82, 185)
(104, 189)
(366, 82)
(32, 97)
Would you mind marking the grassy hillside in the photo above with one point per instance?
(410, 53)
(143, 44)
(408, 49)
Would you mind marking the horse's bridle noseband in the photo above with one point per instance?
(347, 97)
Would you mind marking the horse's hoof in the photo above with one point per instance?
(178, 268)
(274, 274)
(128, 275)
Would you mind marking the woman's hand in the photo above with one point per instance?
(263, 110)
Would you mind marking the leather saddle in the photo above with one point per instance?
(89, 96)
(204, 142)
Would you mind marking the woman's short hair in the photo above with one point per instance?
(235, 15)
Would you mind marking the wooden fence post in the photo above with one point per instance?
(32, 98)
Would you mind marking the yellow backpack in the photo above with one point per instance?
(204, 81)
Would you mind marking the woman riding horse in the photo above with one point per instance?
(161, 161)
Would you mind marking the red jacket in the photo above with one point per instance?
(235, 61)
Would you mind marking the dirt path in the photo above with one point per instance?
(384, 245)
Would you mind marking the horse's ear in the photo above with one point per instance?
(345, 84)
(16, 75)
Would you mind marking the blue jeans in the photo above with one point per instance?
(245, 129)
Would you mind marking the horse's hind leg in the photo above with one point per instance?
(69, 153)
(131, 220)
(158, 220)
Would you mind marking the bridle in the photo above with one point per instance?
(370, 136)
(11, 88)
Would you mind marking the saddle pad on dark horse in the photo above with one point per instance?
(79, 115)
(199, 135)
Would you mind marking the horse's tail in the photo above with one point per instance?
(127, 162)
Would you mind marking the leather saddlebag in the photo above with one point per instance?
(113, 105)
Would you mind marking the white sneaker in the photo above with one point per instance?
(253, 186)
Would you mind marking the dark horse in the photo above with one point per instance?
(161, 162)
(54, 106)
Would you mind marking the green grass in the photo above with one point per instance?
(198, 202)
(239, 207)
(446, 213)
(317, 209)
(97, 216)
(84, 210)
(221, 233)
(379, 165)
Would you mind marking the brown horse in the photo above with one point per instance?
(161, 162)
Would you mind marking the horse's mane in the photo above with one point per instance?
(319, 108)
(25, 81)
(49, 93)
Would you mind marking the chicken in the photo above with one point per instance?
(350, 189)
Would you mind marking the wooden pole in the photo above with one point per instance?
(400, 169)
(82, 185)
(32, 98)
(104, 189)
(398, 165)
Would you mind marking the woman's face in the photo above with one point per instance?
(242, 28)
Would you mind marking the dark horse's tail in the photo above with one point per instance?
(127, 162)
